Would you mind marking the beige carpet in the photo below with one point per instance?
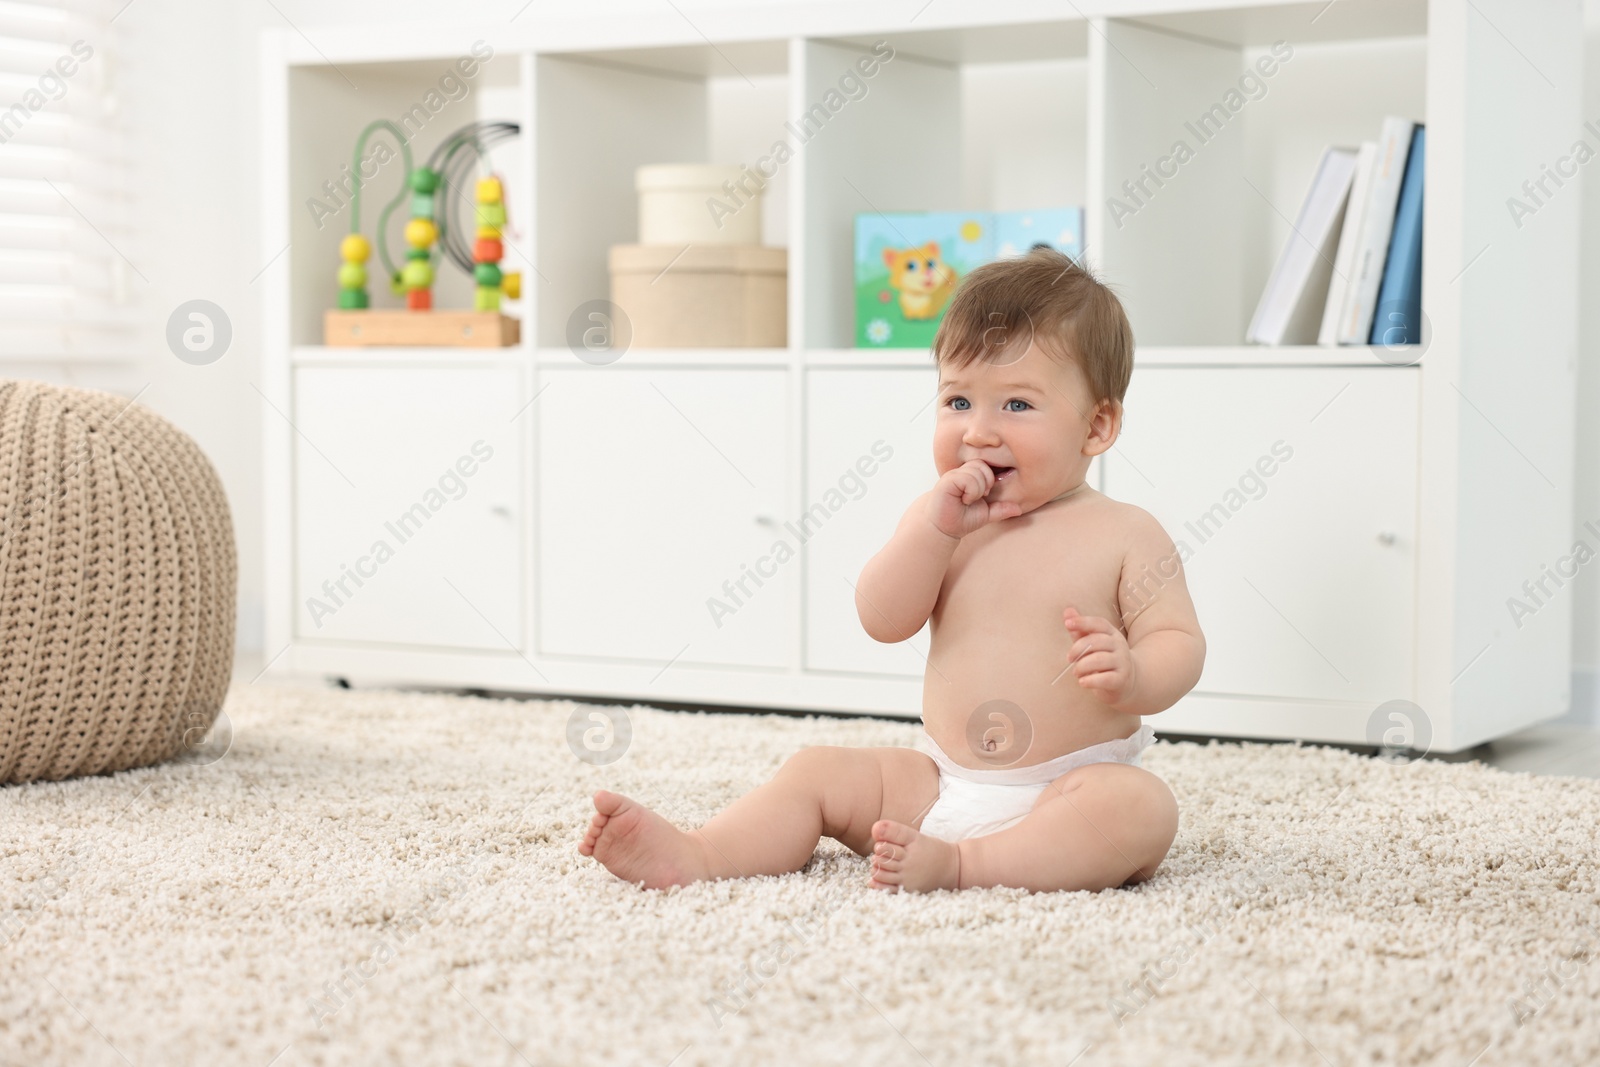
(419, 850)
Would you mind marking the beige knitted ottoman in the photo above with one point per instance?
(117, 574)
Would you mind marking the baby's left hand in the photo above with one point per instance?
(1100, 657)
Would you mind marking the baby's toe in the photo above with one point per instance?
(885, 879)
(607, 804)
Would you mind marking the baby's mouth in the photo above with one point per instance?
(1001, 473)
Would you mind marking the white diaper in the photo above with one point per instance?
(973, 802)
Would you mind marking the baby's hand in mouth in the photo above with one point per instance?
(962, 501)
(1001, 474)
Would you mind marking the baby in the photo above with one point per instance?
(1059, 617)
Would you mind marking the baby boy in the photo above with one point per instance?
(1059, 617)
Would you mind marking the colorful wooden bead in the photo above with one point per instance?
(491, 215)
(419, 299)
(489, 191)
(485, 299)
(487, 274)
(352, 299)
(511, 285)
(423, 180)
(487, 250)
(352, 276)
(421, 233)
(354, 249)
(422, 205)
(416, 274)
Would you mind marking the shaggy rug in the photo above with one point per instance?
(393, 878)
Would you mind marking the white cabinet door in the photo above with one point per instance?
(408, 507)
(661, 500)
(869, 454)
(1293, 494)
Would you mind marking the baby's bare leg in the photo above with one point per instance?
(1097, 826)
(774, 829)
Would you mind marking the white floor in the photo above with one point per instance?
(1558, 748)
(1554, 748)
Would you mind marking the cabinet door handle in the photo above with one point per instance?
(1387, 537)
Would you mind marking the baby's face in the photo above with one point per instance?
(1030, 418)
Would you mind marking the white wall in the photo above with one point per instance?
(1586, 632)
(189, 77)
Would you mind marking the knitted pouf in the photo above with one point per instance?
(117, 574)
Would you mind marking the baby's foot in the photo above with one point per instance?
(639, 846)
(904, 860)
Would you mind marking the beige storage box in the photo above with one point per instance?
(687, 204)
(703, 296)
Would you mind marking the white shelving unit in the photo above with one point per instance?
(610, 508)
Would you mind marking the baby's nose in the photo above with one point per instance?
(980, 432)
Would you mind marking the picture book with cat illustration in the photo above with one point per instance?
(908, 265)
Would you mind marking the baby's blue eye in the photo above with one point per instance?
(1024, 403)
(959, 403)
(911, 264)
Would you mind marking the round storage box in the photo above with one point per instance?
(702, 296)
(687, 204)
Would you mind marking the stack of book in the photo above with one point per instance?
(1351, 271)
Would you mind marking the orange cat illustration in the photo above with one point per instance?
(923, 280)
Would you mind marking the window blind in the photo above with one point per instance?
(65, 288)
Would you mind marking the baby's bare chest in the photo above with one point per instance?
(1015, 579)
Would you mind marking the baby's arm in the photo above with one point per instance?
(1154, 657)
(900, 585)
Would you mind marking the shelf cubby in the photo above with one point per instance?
(1190, 234)
(328, 107)
(602, 115)
(972, 119)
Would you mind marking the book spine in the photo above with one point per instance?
(1398, 318)
(1393, 148)
(1349, 236)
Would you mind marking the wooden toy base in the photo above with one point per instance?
(387, 326)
